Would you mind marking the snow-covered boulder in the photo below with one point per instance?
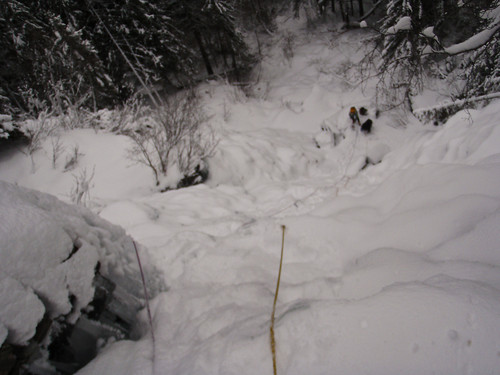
(53, 258)
(20, 312)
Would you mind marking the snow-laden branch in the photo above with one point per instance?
(442, 111)
(474, 42)
(403, 24)
(491, 96)
(478, 40)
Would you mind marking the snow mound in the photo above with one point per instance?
(376, 152)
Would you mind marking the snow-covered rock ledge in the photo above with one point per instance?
(64, 271)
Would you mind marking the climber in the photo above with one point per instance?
(353, 114)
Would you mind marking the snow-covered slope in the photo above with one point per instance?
(388, 269)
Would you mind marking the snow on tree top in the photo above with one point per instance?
(403, 24)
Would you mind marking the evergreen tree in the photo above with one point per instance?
(407, 41)
(258, 14)
(482, 70)
(59, 53)
(401, 67)
(46, 60)
(482, 66)
(137, 39)
(345, 7)
(210, 26)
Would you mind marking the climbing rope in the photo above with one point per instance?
(271, 329)
(146, 296)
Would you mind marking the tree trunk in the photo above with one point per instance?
(321, 7)
(296, 8)
(361, 9)
(343, 11)
(203, 52)
(222, 47)
(235, 66)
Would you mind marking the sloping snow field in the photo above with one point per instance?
(389, 269)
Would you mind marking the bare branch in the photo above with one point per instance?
(173, 134)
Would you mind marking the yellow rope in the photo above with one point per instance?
(273, 342)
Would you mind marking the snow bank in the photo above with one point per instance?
(385, 334)
(104, 153)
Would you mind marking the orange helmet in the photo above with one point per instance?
(353, 110)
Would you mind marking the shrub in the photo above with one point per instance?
(72, 159)
(80, 192)
(172, 135)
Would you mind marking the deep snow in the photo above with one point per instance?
(390, 269)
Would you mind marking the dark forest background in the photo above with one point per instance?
(92, 54)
